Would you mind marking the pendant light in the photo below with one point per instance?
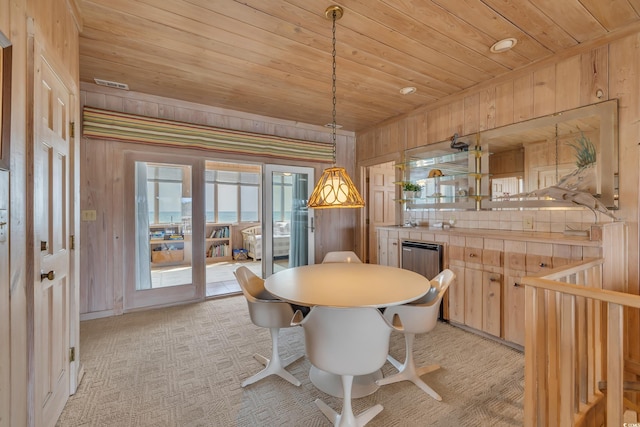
(334, 188)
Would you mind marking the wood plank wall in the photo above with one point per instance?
(585, 75)
(102, 167)
(55, 27)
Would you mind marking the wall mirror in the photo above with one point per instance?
(5, 100)
(538, 153)
(492, 169)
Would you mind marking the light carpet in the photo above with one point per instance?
(182, 366)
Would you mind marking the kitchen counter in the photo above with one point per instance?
(529, 236)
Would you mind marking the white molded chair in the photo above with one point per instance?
(267, 311)
(346, 342)
(341, 256)
(418, 318)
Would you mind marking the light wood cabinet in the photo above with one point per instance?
(475, 299)
(456, 294)
(526, 259)
(515, 261)
(389, 248)
(492, 303)
(486, 294)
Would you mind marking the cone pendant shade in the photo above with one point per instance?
(335, 190)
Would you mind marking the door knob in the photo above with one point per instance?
(50, 275)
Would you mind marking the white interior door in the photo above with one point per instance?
(51, 244)
(287, 229)
(381, 204)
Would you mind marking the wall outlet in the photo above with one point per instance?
(527, 223)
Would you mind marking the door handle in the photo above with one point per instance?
(312, 226)
(50, 275)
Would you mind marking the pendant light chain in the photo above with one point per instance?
(333, 86)
(557, 175)
(334, 189)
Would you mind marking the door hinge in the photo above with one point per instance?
(72, 129)
(72, 354)
(72, 241)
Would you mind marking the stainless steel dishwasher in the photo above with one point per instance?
(424, 258)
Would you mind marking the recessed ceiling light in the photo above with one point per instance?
(408, 90)
(503, 45)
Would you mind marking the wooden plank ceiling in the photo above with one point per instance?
(273, 57)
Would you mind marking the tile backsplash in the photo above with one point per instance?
(542, 220)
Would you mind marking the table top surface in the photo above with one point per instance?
(347, 285)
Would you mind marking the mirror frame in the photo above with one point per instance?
(5, 100)
(607, 160)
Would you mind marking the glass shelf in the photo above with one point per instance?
(448, 178)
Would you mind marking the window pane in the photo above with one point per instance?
(164, 173)
(209, 175)
(226, 176)
(288, 198)
(210, 202)
(169, 202)
(249, 178)
(227, 203)
(278, 214)
(249, 203)
(151, 197)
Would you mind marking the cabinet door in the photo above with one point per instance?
(383, 257)
(514, 308)
(456, 295)
(491, 302)
(393, 252)
(473, 300)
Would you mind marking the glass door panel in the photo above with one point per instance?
(232, 202)
(160, 236)
(288, 232)
(163, 226)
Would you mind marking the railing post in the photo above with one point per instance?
(615, 364)
(567, 355)
(530, 362)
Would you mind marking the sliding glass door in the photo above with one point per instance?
(288, 239)
(162, 247)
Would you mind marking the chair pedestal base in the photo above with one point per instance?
(363, 385)
(275, 365)
(347, 418)
(407, 371)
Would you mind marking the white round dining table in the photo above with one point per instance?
(347, 285)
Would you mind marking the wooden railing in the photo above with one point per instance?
(574, 342)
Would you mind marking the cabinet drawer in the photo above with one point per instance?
(538, 263)
(473, 255)
(492, 257)
(559, 262)
(515, 261)
(456, 252)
